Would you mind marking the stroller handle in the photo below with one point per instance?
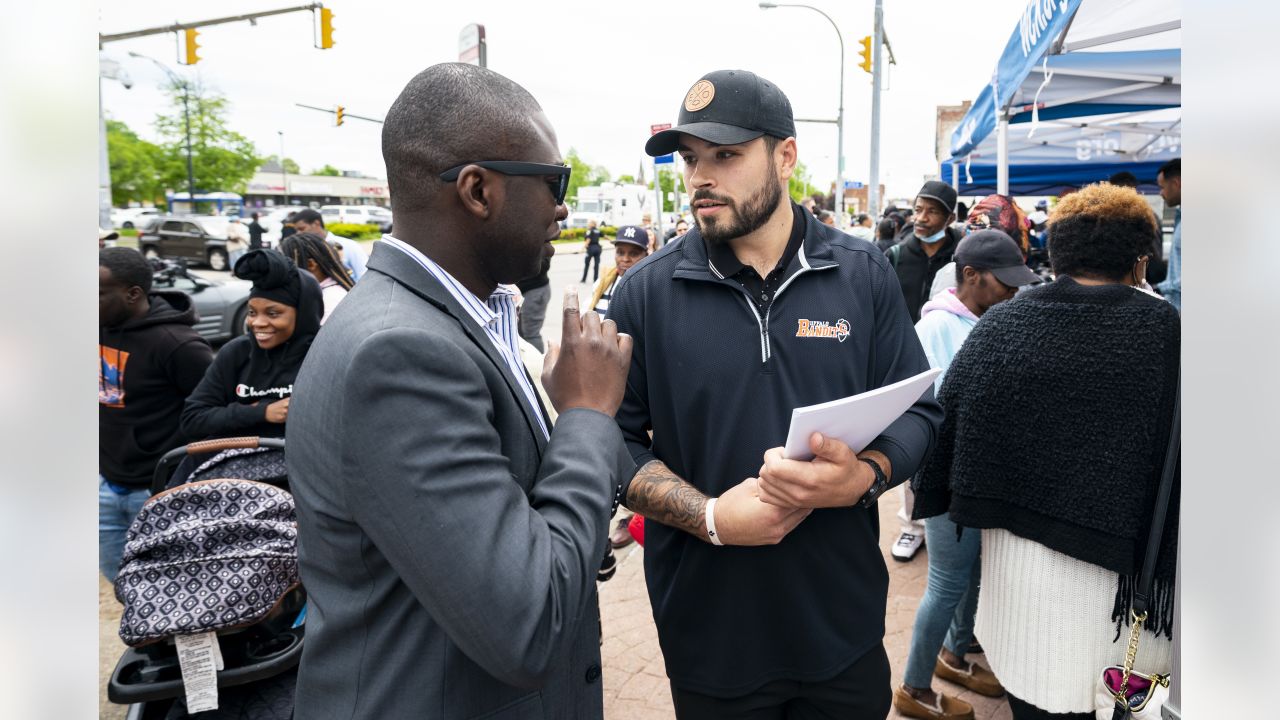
(161, 475)
(234, 443)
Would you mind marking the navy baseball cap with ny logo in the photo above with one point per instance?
(727, 107)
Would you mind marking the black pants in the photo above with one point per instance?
(1023, 710)
(592, 256)
(860, 692)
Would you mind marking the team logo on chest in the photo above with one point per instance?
(838, 330)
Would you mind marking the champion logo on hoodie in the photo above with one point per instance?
(248, 391)
(823, 329)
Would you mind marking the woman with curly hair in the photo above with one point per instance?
(1058, 409)
(312, 253)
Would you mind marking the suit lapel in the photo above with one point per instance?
(406, 271)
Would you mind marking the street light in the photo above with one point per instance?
(839, 199)
(284, 173)
(186, 112)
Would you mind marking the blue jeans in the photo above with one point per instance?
(950, 600)
(115, 514)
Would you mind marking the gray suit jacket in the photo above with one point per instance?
(449, 551)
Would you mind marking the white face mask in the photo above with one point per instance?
(934, 237)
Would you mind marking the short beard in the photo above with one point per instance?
(755, 211)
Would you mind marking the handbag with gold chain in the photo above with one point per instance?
(1124, 693)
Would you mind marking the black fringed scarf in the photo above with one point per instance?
(1058, 409)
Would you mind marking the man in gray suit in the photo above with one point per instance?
(449, 536)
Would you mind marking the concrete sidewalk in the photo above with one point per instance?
(635, 680)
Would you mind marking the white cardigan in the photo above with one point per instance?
(1044, 621)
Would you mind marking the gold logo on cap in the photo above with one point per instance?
(699, 96)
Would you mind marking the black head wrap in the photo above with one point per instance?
(275, 277)
(272, 275)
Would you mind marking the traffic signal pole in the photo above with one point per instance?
(180, 27)
(877, 37)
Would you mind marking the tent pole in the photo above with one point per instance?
(955, 177)
(1002, 155)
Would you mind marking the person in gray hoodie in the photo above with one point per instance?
(150, 358)
(989, 270)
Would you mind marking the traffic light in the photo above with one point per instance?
(326, 31)
(865, 53)
(191, 46)
(337, 115)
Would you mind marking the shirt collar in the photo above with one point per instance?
(724, 263)
(478, 309)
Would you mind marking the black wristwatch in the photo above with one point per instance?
(877, 488)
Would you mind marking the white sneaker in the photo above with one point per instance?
(906, 546)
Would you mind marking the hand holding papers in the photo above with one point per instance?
(855, 420)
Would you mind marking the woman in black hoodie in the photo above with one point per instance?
(247, 388)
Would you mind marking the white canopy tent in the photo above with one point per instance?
(1097, 84)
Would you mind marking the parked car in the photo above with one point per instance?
(357, 215)
(132, 217)
(221, 305)
(198, 239)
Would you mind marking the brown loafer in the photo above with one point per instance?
(948, 708)
(621, 536)
(976, 678)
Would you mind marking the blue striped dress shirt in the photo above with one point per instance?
(497, 316)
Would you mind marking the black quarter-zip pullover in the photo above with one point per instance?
(716, 381)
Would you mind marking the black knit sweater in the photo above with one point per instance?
(1058, 408)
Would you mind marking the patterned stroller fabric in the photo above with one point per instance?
(261, 464)
(204, 556)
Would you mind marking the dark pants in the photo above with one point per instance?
(860, 692)
(532, 314)
(1023, 710)
(592, 256)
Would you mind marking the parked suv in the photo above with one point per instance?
(357, 215)
(198, 239)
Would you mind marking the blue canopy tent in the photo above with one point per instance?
(1097, 87)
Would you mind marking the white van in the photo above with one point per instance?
(357, 215)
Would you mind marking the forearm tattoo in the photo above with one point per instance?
(660, 495)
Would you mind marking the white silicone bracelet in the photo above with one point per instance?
(711, 522)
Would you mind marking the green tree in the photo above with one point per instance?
(328, 170)
(583, 174)
(222, 159)
(135, 166)
(800, 186)
(290, 165)
(669, 179)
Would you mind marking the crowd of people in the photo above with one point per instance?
(454, 508)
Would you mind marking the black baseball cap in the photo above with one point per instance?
(940, 191)
(727, 107)
(995, 251)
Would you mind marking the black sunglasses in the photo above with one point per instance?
(559, 187)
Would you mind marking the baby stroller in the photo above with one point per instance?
(213, 550)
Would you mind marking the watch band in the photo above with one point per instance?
(877, 488)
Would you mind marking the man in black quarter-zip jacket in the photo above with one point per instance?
(766, 581)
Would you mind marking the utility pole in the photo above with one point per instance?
(877, 39)
(284, 172)
(111, 70)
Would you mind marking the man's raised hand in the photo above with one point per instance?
(588, 368)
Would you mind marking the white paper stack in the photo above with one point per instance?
(857, 419)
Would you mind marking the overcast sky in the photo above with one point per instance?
(603, 71)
